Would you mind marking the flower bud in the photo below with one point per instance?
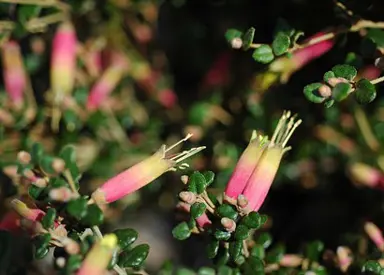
(187, 197)
(291, 260)
(344, 258)
(375, 235)
(24, 157)
(228, 224)
(325, 91)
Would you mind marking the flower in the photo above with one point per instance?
(245, 166)
(366, 175)
(63, 60)
(142, 173)
(261, 179)
(97, 260)
(14, 73)
(107, 83)
(375, 235)
(28, 213)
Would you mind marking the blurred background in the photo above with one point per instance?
(184, 77)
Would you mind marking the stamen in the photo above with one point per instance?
(188, 136)
(254, 135)
(284, 133)
(291, 132)
(189, 153)
(280, 126)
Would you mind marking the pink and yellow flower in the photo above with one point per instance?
(366, 175)
(13, 71)
(106, 84)
(245, 166)
(63, 60)
(142, 173)
(260, 181)
(97, 260)
(375, 234)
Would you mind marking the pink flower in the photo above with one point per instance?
(11, 222)
(63, 60)
(261, 179)
(344, 257)
(106, 84)
(245, 166)
(375, 235)
(218, 74)
(97, 260)
(142, 173)
(366, 175)
(32, 214)
(282, 68)
(13, 71)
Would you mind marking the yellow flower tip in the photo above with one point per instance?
(284, 130)
(109, 241)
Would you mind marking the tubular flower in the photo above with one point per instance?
(375, 235)
(366, 175)
(344, 258)
(97, 260)
(262, 177)
(245, 166)
(63, 60)
(106, 84)
(28, 213)
(142, 173)
(14, 73)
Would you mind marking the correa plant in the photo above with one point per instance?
(71, 121)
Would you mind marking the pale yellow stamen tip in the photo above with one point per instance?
(109, 241)
(284, 130)
(188, 136)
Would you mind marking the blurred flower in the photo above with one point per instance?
(142, 173)
(218, 73)
(344, 258)
(291, 260)
(375, 234)
(107, 83)
(97, 260)
(366, 175)
(63, 60)
(28, 213)
(14, 73)
(282, 68)
(245, 166)
(11, 222)
(260, 181)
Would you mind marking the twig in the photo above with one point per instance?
(366, 131)
(377, 80)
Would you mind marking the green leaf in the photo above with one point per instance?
(32, 63)
(311, 92)
(265, 239)
(372, 266)
(248, 38)
(222, 256)
(191, 223)
(46, 164)
(282, 26)
(258, 251)
(198, 209)
(329, 103)
(254, 266)
(27, 12)
(228, 211)
(276, 254)
(73, 263)
(345, 71)
(126, 237)
(280, 44)
(77, 208)
(206, 271)
(197, 180)
(263, 54)
(222, 235)
(37, 152)
(231, 34)
(68, 154)
(252, 220)
(377, 36)
(212, 249)
(242, 232)
(365, 91)
(134, 258)
(341, 91)
(49, 218)
(328, 75)
(235, 250)
(313, 250)
(41, 243)
(35, 191)
(181, 231)
(209, 177)
(185, 271)
(93, 217)
(224, 270)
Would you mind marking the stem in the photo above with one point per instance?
(71, 182)
(377, 80)
(366, 131)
